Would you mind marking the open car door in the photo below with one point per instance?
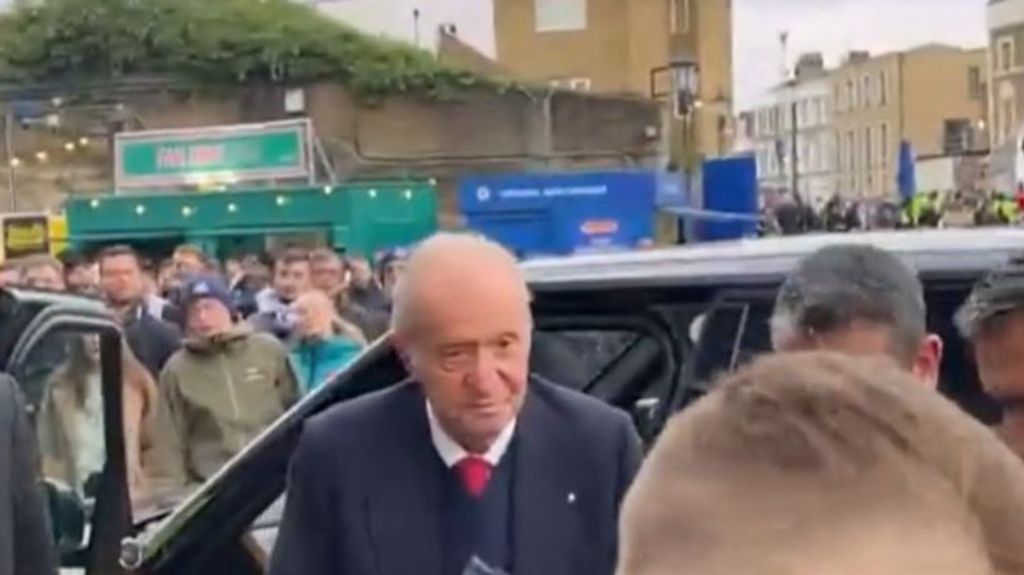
(67, 359)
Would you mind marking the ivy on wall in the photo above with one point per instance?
(212, 42)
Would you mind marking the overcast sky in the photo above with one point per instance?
(837, 26)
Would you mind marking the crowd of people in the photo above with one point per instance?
(835, 454)
(923, 210)
(213, 353)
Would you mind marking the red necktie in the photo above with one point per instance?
(475, 473)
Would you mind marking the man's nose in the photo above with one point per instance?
(485, 369)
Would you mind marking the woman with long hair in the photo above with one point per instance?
(70, 424)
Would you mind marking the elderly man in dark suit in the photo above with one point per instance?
(26, 542)
(473, 458)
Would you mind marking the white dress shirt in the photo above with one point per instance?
(452, 453)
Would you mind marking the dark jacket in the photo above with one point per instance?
(26, 541)
(373, 323)
(362, 507)
(151, 340)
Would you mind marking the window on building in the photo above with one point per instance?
(869, 156)
(1005, 63)
(1009, 117)
(579, 84)
(883, 89)
(560, 15)
(851, 100)
(974, 90)
(840, 163)
(1018, 49)
(883, 144)
(851, 152)
(865, 88)
(838, 97)
(679, 16)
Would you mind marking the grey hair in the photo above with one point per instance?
(843, 283)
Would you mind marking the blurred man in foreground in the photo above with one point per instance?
(992, 319)
(859, 300)
(814, 464)
(472, 458)
(26, 541)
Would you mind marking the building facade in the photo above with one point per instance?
(416, 22)
(933, 97)
(614, 46)
(1005, 20)
(807, 100)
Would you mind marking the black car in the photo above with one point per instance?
(645, 332)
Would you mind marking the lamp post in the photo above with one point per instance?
(683, 79)
(680, 85)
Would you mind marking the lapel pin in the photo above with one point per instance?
(571, 498)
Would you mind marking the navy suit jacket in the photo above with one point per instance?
(364, 495)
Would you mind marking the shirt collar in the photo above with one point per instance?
(452, 453)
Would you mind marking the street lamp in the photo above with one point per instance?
(685, 85)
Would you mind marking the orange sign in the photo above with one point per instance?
(599, 227)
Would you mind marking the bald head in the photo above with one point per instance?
(447, 265)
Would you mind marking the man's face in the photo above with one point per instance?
(470, 353)
(291, 279)
(391, 274)
(43, 277)
(362, 274)
(82, 279)
(999, 353)
(121, 279)
(10, 277)
(188, 264)
(208, 317)
(328, 276)
(233, 268)
(864, 338)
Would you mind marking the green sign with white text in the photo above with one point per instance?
(214, 156)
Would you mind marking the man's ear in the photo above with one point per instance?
(403, 350)
(928, 361)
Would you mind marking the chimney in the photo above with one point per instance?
(857, 56)
(810, 65)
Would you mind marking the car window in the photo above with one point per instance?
(730, 335)
(575, 358)
(958, 378)
(62, 376)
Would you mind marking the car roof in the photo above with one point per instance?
(950, 253)
(45, 298)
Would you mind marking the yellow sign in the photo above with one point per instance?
(25, 236)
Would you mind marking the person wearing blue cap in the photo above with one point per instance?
(225, 386)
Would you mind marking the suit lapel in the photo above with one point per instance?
(403, 505)
(544, 498)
